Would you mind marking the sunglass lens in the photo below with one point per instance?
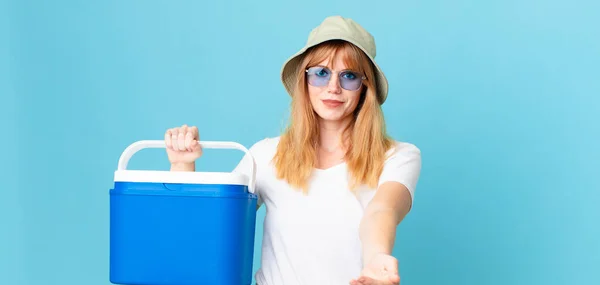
(318, 76)
(350, 80)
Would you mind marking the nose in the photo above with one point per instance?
(334, 85)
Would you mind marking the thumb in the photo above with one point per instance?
(195, 145)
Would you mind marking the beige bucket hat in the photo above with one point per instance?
(336, 28)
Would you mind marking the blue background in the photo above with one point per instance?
(502, 97)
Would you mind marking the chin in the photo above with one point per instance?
(330, 116)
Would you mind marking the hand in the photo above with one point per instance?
(182, 147)
(382, 269)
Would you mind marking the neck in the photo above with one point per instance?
(330, 133)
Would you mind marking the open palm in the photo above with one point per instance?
(381, 270)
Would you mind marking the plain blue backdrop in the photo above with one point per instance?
(502, 97)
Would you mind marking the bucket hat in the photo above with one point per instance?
(336, 28)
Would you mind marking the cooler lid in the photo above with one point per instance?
(122, 174)
(152, 176)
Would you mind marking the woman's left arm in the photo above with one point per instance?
(385, 211)
(382, 215)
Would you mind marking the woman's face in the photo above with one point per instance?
(329, 100)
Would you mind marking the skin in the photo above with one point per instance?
(387, 209)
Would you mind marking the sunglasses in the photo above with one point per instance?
(319, 76)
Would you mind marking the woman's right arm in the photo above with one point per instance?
(183, 148)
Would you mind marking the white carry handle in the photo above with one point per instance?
(139, 145)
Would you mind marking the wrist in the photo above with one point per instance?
(181, 166)
(368, 255)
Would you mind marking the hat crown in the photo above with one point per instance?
(343, 28)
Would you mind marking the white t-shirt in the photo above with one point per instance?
(314, 238)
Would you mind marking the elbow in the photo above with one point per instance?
(378, 218)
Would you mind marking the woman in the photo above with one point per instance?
(334, 184)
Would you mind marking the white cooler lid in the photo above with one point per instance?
(187, 177)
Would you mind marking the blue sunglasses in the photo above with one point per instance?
(319, 76)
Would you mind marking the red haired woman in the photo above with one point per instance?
(334, 184)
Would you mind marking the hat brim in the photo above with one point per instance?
(289, 70)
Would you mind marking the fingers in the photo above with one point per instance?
(191, 139)
(365, 280)
(168, 142)
(182, 138)
(188, 140)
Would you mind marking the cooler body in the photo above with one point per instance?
(181, 234)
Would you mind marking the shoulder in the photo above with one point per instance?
(265, 148)
(265, 144)
(403, 164)
(403, 149)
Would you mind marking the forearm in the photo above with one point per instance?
(383, 214)
(378, 232)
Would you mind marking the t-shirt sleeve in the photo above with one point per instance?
(245, 167)
(403, 166)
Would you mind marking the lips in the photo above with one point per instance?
(332, 103)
